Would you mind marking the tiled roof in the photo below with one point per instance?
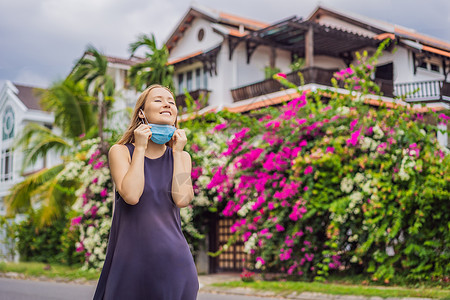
(288, 97)
(237, 20)
(125, 61)
(214, 16)
(381, 27)
(29, 96)
(176, 60)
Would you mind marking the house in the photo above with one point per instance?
(226, 56)
(19, 105)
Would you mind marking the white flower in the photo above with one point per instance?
(245, 208)
(359, 178)
(343, 110)
(258, 264)
(347, 185)
(250, 244)
(378, 132)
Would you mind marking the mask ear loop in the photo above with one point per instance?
(144, 117)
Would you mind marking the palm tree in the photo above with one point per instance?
(154, 69)
(98, 84)
(74, 116)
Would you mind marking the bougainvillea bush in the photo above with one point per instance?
(340, 185)
(207, 136)
(93, 207)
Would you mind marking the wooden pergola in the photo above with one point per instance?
(305, 39)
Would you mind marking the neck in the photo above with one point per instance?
(153, 147)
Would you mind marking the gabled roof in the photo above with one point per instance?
(29, 96)
(379, 27)
(214, 16)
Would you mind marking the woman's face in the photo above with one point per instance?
(160, 107)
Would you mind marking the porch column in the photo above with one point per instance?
(442, 137)
(309, 48)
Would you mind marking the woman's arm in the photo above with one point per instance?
(182, 190)
(128, 176)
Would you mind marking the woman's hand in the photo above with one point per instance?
(179, 140)
(141, 135)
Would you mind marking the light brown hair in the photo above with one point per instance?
(128, 136)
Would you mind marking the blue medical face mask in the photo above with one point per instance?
(161, 133)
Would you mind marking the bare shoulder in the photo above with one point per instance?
(119, 152)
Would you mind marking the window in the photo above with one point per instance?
(434, 67)
(8, 124)
(198, 77)
(205, 79)
(423, 65)
(189, 81)
(180, 83)
(201, 34)
(6, 165)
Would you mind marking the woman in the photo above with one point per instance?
(147, 255)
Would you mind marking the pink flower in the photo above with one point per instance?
(75, 220)
(281, 75)
(353, 124)
(308, 170)
(95, 180)
(279, 228)
(329, 149)
(261, 260)
(353, 140)
(98, 165)
(104, 192)
(220, 126)
(80, 248)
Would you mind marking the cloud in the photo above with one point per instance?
(44, 38)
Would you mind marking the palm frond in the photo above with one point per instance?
(36, 141)
(20, 195)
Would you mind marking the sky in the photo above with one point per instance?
(40, 40)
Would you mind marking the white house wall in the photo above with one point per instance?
(404, 68)
(328, 62)
(189, 43)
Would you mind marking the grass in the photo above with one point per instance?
(287, 287)
(35, 269)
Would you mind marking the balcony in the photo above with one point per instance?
(180, 99)
(310, 75)
(426, 91)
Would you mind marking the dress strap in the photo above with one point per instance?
(130, 149)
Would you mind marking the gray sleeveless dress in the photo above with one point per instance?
(147, 255)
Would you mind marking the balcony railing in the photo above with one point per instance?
(181, 99)
(310, 75)
(423, 90)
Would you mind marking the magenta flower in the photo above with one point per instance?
(98, 165)
(353, 140)
(308, 170)
(104, 192)
(75, 221)
(279, 228)
(220, 126)
(281, 75)
(329, 149)
(261, 260)
(353, 124)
